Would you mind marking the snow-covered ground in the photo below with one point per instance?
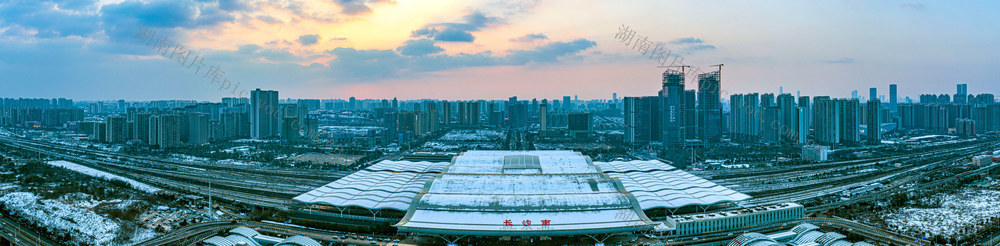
(84, 225)
(188, 158)
(101, 174)
(471, 135)
(438, 146)
(960, 213)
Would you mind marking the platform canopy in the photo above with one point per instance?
(521, 193)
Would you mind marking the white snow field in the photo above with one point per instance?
(960, 213)
(101, 174)
(85, 226)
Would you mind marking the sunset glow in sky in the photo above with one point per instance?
(449, 49)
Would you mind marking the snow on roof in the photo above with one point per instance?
(409, 166)
(489, 193)
(521, 193)
(632, 166)
(299, 240)
(367, 189)
(674, 189)
(218, 241)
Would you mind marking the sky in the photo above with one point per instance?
(488, 49)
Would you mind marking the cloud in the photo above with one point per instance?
(845, 60)
(699, 47)
(456, 32)
(689, 40)
(74, 4)
(253, 52)
(530, 38)
(915, 6)
(356, 7)
(368, 65)
(419, 47)
(121, 20)
(454, 35)
(46, 20)
(269, 19)
(233, 5)
(550, 52)
(309, 39)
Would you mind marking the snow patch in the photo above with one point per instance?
(101, 174)
(85, 226)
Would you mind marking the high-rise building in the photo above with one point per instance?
(543, 116)
(691, 131)
(117, 129)
(265, 114)
(290, 129)
(445, 113)
(468, 113)
(850, 122)
(309, 104)
(808, 122)
(766, 100)
(101, 131)
(567, 104)
(642, 120)
(199, 129)
(826, 121)
(801, 133)
(874, 121)
(965, 127)
(788, 119)
(961, 94)
(744, 117)
(992, 117)
(892, 99)
(140, 129)
(672, 105)
(770, 132)
(235, 101)
(167, 130)
(710, 107)
(581, 125)
(873, 93)
(979, 115)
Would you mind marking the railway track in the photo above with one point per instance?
(259, 187)
(808, 191)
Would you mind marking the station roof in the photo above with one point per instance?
(521, 193)
(370, 190)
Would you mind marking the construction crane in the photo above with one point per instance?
(681, 66)
(720, 69)
(718, 65)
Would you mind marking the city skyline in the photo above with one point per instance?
(378, 49)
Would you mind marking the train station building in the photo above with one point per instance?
(522, 194)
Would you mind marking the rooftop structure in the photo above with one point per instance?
(804, 234)
(249, 237)
(520, 193)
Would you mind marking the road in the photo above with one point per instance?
(199, 232)
(19, 235)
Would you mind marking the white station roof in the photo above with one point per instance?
(370, 190)
(515, 193)
(523, 193)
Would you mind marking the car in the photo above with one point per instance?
(372, 243)
(395, 240)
